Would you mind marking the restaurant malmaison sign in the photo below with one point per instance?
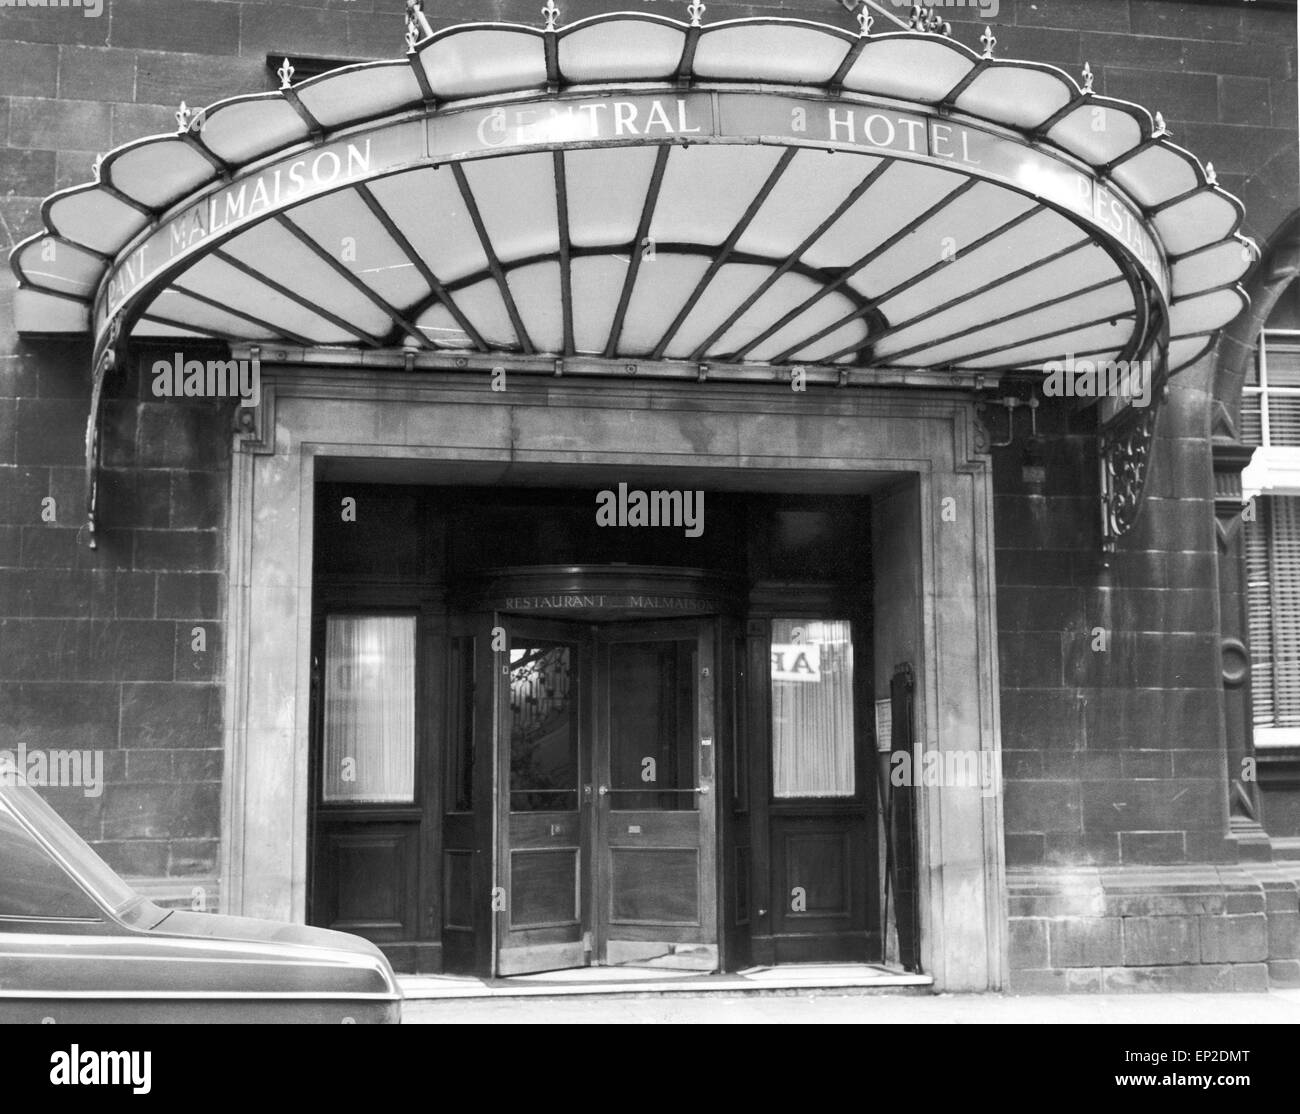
(558, 122)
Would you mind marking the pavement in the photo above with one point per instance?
(820, 1007)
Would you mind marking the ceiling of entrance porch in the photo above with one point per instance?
(703, 253)
(756, 252)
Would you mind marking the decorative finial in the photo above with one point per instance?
(1211, 176)
(1249, 248)
(695, 9)
(865, 21)
(989, 40)
(552, 13)
(285, 73)
(417, 27)
(1087, 78)
(183, 117)
(94, 166)
(1161, 130)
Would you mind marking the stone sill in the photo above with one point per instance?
(1195, 890)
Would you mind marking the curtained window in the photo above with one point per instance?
(812, 708)
(369, 709)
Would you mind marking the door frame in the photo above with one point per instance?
(935, 587)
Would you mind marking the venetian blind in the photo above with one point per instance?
(1273, 600)
(1283, 405)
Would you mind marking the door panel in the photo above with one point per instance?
(542, 827)
(370, 880)
(656, 824)
(820, 862)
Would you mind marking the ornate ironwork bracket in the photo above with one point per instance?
(1125, 452)
(105, 361)
(925, 18)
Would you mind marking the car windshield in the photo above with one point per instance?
(74, 851)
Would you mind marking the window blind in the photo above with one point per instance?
(1273, 605)
(812, 708)
(369, 752)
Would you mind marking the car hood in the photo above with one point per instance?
(214, 926)
(355, 963)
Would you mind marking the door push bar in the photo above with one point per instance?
(604, 789)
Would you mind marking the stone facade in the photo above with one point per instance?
(1121, 870)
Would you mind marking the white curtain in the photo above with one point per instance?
(812, 708)
(369, 708)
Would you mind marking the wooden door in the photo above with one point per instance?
(656, 814)
(543, 791)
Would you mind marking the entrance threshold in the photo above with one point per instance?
(851, 978)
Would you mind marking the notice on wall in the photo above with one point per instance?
(884, 725)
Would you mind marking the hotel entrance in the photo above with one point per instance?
(604, 764)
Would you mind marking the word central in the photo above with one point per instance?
(558, 123)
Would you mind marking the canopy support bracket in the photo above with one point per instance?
(1125, 457)
(105, 360)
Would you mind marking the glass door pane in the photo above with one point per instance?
(543, 728)
(652, 724)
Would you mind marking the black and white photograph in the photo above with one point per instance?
(647, 512)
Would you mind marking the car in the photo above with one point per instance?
(77, 945)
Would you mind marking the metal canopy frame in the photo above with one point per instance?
(114, 320)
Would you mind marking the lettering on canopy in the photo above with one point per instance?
(557, 122)
(572, 601)
(883, 130)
